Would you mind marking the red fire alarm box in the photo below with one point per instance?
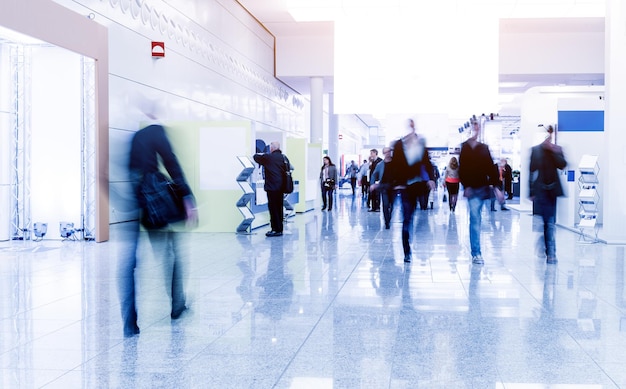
(158, 49)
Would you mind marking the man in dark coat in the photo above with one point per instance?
(479, 178)
(275, 164)
(545, 187)
(374, 196)
(148, 146)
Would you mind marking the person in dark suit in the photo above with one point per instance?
(374, 195)
(411, 172)
(148, 146)
(507, 177)
(545, 186)
(275, 164)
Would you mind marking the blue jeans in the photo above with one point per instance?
(475, 205)
(545, 205)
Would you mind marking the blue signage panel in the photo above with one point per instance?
(586, 121)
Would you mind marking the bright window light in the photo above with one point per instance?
(416, 64)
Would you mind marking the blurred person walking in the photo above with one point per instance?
(352, 172)
(149, 145)
(411, 172)
(364, 178)
(479, 177)
(545, 187)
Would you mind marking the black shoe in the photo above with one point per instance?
(504, 209)
(387, 226)
(177, 315)
(323, 208)
(493, 210)
(131, 330)
(407, 258)
(273, 233)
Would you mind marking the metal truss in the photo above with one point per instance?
(20, 58)
(88, 149)
(21, 223)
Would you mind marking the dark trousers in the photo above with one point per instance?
(422, 196)
(327, 197)
(353, 184)
(275, 207)
(167, 250)
(375, 199)
(409, 197)
(388, 197)
(365, 187)
(545, 205)
(126, 276)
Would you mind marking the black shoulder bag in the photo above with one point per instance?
(160, 202)
(288, 181)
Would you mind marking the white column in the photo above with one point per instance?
(317, 113)
(614, 201)
(333, 131)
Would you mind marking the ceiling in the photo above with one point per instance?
(274, 16)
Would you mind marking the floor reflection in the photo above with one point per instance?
(329, 304)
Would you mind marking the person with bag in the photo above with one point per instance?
(276, 167)
(545, 186)
(328, 180)
(162, 202)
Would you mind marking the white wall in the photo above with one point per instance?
(56, 163)
(310, 55)
(218, 66)
(549, 51)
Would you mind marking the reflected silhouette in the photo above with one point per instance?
(422, 236)
(549, 286)
(388, 281)
(453, 248)
(545, 350)
(477, 339)
(276, 287)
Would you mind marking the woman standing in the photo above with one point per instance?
(452, 182)
(328, 178)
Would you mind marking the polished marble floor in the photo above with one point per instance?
(328, 305)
